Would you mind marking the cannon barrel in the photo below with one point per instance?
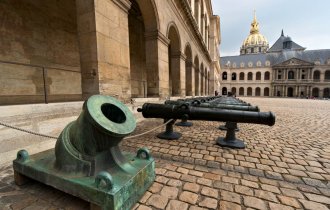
(231, 107)
(166, 111)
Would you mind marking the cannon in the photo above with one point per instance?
(168, 111)
(87, 161)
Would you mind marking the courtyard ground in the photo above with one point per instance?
(286, 166)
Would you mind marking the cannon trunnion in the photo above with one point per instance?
(87, 161)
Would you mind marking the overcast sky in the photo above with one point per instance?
(307, 22)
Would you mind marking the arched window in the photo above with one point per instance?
(290, 75)
(250, 76)
(224, 76)
(233, 76)
(234, 65)
(241, 76)
(267, 75)
(258, 91)
(242, 65)
(290, 92)
(233, 90)
(316, 75)
(327, 75)
(266, 91)
(259, 63)
(249, 91)
(241, 91)
(258, 76)
(250, 64)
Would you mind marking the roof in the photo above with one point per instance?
(278, 57)
(278, 45)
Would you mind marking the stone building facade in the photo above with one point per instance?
(66, 50)
(285, 69)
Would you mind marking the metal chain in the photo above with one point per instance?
(53, 137)
(27, 131)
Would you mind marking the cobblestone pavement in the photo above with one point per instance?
(286, 166)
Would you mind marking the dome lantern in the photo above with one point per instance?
(255, 42)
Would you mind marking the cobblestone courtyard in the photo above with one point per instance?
(286, 166)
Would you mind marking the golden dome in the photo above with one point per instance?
(255, 42)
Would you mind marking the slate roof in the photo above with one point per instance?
(278, 57)
(278, 45)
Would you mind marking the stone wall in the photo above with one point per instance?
(39, 49)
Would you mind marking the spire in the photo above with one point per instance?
(282, 34)
(254, 25)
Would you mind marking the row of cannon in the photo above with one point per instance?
(226, 109)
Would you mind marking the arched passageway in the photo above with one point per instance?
(224, 91)
(241, 91)
(189, 71)
(326, 93)
(266, 91)
(258, 91)
(315, 92)
(290, 92)
(249, 91)
(197, 76)
(174, 61)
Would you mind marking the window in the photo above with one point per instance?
(267, 75)
(242, 65)
(250, 76)
(224, 76)
(258, 76)
(250, 64)
(258, 63)
(234, 65)
(279, 76)
(241, 76)
(290, 75)
(267, 63)
(233, 76)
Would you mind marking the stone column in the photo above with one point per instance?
(189, 76)
(157, 64)
(178, 62)
(193, 85)
(296, 91)
(202, 82)
(320, 92)
(104, 70)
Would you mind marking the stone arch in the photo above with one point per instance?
(267, 75)
(250, 76)
(316, 75)
(241, 76)
(141, 81)
(315, 92)
(233, 90)
(266, 91)
(150, 19)
(189, 70)
(258, 75)
(202, 78)
(258, 91)
(224, 91)
(327, 75)
(205, 81)
(249, 91)
(174, 53)
(326, 93)
(197, 76)
(241, 91)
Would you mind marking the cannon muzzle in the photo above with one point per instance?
(167, 111)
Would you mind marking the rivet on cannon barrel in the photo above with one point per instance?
(87, 161)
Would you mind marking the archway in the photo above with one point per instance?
(258, 91)
(174, 61)
(290, 92)
(189, 73)
(233, 76)
(249, 91)
(315, 92)
(233, 90)
(326, 93)
(151, 75)
(224, 91)
(241, 91)
(137, 49)
(197, 76)
(266, 91)
(202, 79)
